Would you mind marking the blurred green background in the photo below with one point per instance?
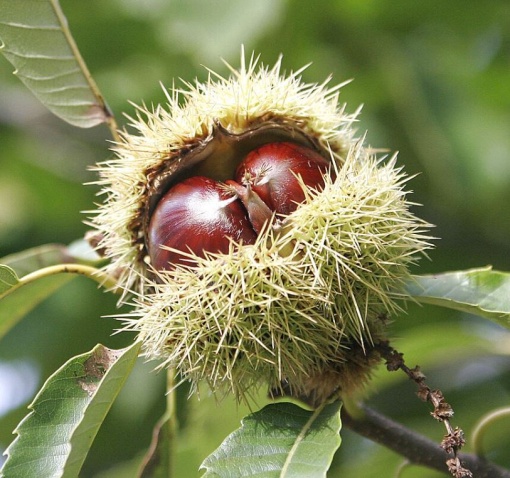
(434, 78)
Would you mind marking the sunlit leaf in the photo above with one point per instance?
(36, 39)
(281, 440)
(55, 437)
(483, 292)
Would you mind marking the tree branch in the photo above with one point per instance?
(413, 446)
(453, 441)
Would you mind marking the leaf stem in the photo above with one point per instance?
(171, 423)
(160, 458)
(93, 273)
(108, 115)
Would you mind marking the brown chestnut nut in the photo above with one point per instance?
(201, 215)
(272, 169)
(196, 215)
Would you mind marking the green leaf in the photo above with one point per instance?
(36, 39)
(281, 440)
(8, 278)
(18, 298)
(30, 260)
(483, 292)
(55, 437)
(35, 258)
(44, 270)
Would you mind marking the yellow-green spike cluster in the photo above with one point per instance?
(294, 303)
(303, 305)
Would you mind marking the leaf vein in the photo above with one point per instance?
(56, 76)
(31, 27)
(35, 56)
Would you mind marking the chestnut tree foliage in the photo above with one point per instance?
(435, 87)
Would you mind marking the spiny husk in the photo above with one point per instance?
(252, 96)
(300, 310)
(297, 302)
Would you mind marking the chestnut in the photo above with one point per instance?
(196, 215)
(201, 215)
(272, 170)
